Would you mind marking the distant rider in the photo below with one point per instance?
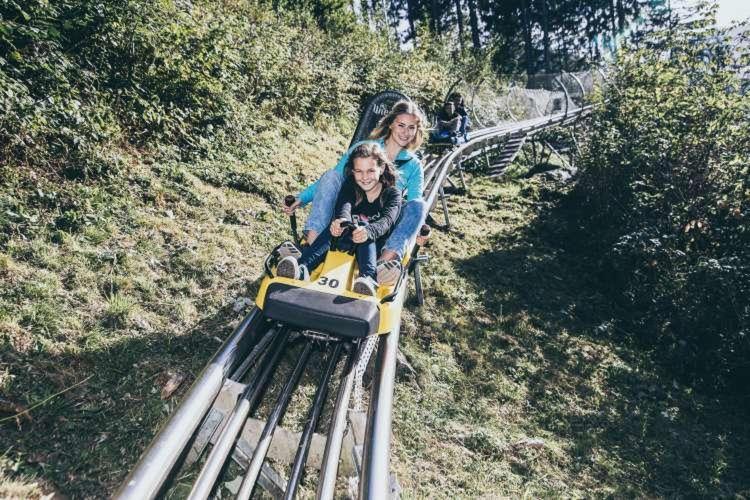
(458, 101)
(448, 124)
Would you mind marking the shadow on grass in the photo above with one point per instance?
(87, 439)
(625, 425)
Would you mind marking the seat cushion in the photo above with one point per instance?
(320, 311)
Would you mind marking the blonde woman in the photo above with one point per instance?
(400, 133)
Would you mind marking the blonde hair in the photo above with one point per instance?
(383, 129)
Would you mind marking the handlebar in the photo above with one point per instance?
(289, 201)
(346, 226)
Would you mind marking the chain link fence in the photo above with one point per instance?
(517, 98)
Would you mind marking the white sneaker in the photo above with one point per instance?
(388, 272)
(288, 267)
(364, 285)
(288, 248)
(304, 274)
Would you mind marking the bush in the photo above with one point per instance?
(87, 86)
(81, 76)
(50, 112)
(664, 182)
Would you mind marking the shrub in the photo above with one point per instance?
(81, 77)
(665, 186)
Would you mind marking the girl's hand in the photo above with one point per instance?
(359, 235)
(289, 210)
(336, 228)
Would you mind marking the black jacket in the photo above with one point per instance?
(380, 215)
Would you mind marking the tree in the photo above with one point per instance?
(474, 23)
(460, 23)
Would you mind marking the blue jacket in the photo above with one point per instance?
(408, 166)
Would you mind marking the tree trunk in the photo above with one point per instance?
(460, 22)
(474, 22)
(367, 6)
(435, 16)
(545, 33)
(412, 12)
(620, 16)
(528, 48)
(613, 22)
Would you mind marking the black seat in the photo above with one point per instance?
(320, 311)
(376, 108)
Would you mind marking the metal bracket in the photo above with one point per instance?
(445, 208)
(460, 168)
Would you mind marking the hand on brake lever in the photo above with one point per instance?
(359, 235)
(289, 209)
(336, 228)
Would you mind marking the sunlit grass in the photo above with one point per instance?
(144, 288)
(507, 350)
(516, 395)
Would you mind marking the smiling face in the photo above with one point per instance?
(404, 129)
(366, 174)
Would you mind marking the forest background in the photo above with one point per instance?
(109, 109)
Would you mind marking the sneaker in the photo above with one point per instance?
(289, 249)
(304, 274)
(364, 285)
(288, 267)
(388, 272)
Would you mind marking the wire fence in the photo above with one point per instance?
(517, 98)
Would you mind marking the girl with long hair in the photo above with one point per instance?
(369, 204)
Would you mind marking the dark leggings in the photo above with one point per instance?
(366, 253)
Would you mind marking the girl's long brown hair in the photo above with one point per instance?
(374, 151)
(383, 129)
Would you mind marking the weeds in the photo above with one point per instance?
(145, 288)
(118, 310)
(520, 394)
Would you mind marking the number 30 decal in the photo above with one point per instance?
(334, 283)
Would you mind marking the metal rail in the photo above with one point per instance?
(330, 465)
(312, 422)
(158, 461)
(491, 138)
(211, 470)
(255, 342)
(253, 470)
(374, 482)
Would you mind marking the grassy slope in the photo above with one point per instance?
(129, 300)
(513, 343)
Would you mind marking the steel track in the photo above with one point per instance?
(259, 344)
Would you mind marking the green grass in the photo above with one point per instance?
(513, 342)
(144, 287)
(510, 347)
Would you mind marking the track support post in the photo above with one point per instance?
(460, 168)
(445, 208)
(416, 260)
(487, 159)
